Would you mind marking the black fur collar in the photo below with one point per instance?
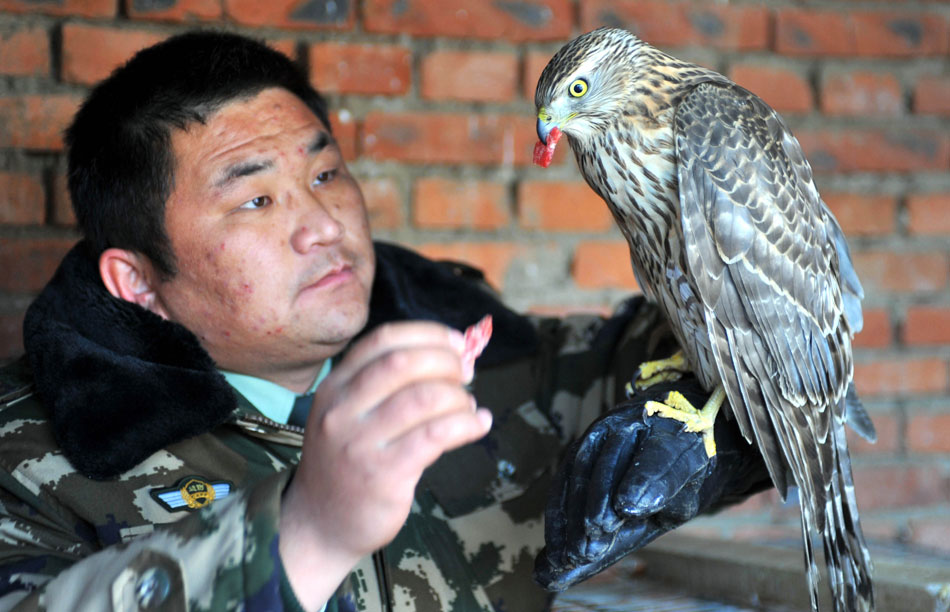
(121, 383)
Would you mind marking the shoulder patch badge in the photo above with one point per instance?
(191, 493)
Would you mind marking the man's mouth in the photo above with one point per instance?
(338, 274)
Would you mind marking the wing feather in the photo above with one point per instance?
(763, 253)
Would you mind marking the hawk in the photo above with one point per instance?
(729, 235)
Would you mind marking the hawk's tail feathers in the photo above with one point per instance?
(845, 548)
(831, 513)
(811, 567)
(846, 553)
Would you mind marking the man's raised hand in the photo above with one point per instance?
(389, 409)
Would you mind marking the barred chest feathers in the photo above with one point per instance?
(634, 171)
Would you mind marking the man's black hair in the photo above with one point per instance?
(121, 166)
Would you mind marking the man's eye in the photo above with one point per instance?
(324, 177)
(258, 202)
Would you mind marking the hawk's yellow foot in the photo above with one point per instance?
(701, 421)
(661, 370)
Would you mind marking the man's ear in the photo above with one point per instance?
(131, 276)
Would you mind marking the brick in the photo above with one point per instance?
(287, 46)
(931, 533)
(869, 34)
(855, 150)
(11, 335)
(812, 32)
(449, 138)
(878, 331)
(528, 20)
(71, 8)
(174, 10)
(861, 93)
(22, 201)
(890, 34)
(25, 52)
(36, 121)
(898, 486)
(928, 214)
(783, 89)
(927, 325)
(384, 203)
(90, 53)
(360, 69)
(534, 63)
(293, 14)
(888, 437)
(927, 433)
(62, 207)
(451, 204)
(900, 376)
(561, 206)
(932, 95)
(343, 126)
(600, 264)
(470, 76)
(26, 264)
(881, 271)
(862, 214)
(492, 258)
(722, 26)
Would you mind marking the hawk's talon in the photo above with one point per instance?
(660, 370)
(703, 421)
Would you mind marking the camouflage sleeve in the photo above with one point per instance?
(223, 557)
(591, 358)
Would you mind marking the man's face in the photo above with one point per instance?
(275, 260)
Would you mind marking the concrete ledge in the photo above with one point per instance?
(763, 576)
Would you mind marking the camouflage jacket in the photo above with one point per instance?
(133, 477)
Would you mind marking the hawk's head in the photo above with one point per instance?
(586, 83)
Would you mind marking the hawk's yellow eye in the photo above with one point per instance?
(578, 88)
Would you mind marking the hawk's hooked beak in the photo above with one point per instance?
(545, 124)
(549, 132)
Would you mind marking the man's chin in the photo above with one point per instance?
(339, 328)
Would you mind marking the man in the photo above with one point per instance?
(151, 453)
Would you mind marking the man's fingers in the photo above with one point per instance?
(413, 405)
(389, 373)
(420, 446)
(394, 336)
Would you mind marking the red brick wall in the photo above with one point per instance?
(432, 103)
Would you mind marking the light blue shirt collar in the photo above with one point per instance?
(272, 400)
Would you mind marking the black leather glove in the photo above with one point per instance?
(631, 477)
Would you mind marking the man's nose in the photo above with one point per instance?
(316, 224)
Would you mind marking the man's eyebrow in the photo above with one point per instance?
(319, 143)
(241, 169)
(246, 168)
